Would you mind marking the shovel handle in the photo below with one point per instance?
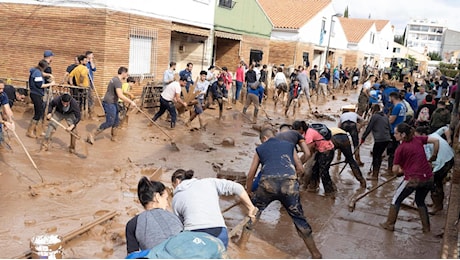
(155, 124)
(61, 125)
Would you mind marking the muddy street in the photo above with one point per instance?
(78, 190)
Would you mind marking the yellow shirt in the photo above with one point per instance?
(124, 88)
(81, 75)
(336, 130)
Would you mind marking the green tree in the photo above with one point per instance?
(345, 14)
(434, 55)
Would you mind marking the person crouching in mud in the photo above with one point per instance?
(196, 202)
(278, 181)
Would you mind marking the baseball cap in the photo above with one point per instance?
(48, 53)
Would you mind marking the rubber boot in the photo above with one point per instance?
(374, 176)
(73, 141)
(173, 124)
(391, 219)
(32, 126)
(254, 119)
(91, 136)
(39, 129)
(438, 200)
(423, 211)
(45, 144)
(311, 245)
(114, 134)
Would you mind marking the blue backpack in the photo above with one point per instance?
(187, 244)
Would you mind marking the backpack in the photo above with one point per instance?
(189, 244)
(323, 130)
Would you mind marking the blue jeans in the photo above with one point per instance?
(286, 191)
(219, 232)
(166, 105)
(239, 86)
(111, 116)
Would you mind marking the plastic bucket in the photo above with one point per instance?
(46, 247)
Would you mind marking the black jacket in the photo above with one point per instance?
(74, 108)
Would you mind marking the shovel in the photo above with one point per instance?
(159, 127)
(352, 203)
(28, 155)
(97, 95)
(85, 148)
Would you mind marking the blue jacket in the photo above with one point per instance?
(412, 100)
(259, 92)
(187, 74)
(386, 98)
(36, 82)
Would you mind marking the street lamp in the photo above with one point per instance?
(330, 32)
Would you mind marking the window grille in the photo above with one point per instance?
(143, 46)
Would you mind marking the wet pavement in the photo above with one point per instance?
(78, 190)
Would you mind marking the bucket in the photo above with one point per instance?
(46, 247)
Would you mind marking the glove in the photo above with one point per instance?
(48, 116)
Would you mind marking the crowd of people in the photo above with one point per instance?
(410, 124)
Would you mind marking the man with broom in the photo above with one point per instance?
(6, 116)
(66, 108)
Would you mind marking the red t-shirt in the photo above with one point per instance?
(410, 156)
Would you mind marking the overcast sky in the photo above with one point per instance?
(400, 11)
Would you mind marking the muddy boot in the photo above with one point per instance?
(32, 126)
(438, 200)
(423, 211)
(173, 124)
(311, 245)
(374, 175)
(391, 219)
(114, 134)
(91, 136)
(39, 129)
(73, 140)
(220, 114)
(45, 144)
(254, 119)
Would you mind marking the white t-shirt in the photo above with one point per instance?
(445, 152)
(201, 87)
(279, 78)
(367, 85)
(349, 116)
(171, 90)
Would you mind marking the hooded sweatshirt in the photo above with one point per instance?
(196, 201)
(36, 81)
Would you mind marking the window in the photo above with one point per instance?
(372, 38)
(226, 3)
(396, 50)
(323, 25)
(142, 51)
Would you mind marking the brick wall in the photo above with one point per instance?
(281, 52)
(227, 53)
(255, 43)
(28, 30)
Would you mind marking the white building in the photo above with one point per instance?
(424, 35)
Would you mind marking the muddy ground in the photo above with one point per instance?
(77, 190)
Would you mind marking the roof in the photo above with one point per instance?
(380, 24)
(355, 28)
(292, 14)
